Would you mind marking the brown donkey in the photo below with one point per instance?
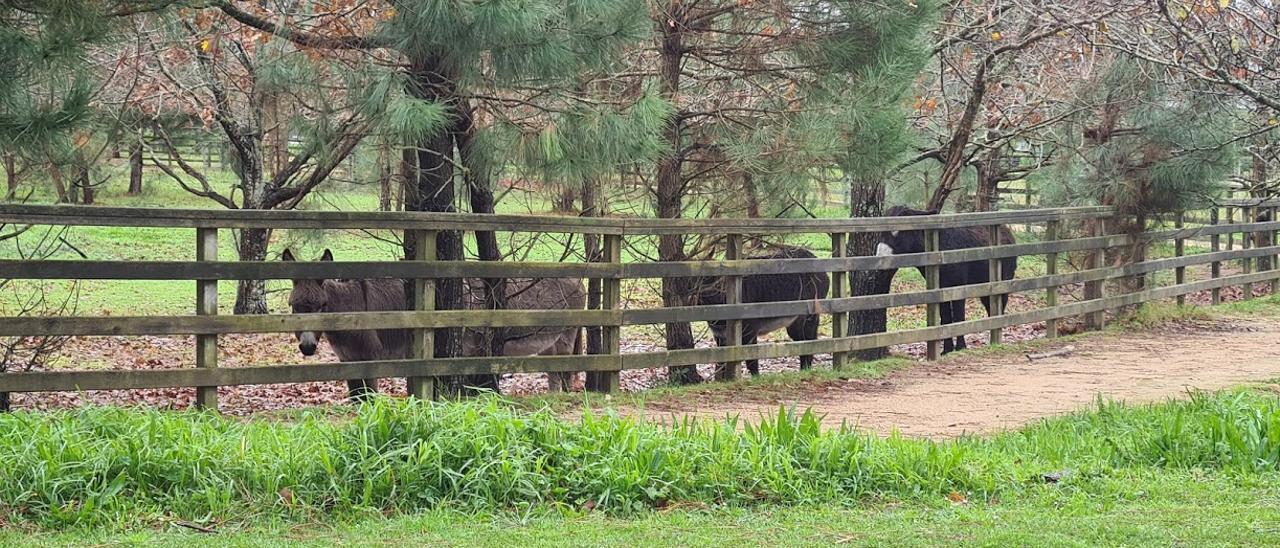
(381, 294)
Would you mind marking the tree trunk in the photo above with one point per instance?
(276, 140)
(1260, 191)
(591, 207)
(386, 174)
(432, 190)
(478, 179)
(251, 295)
(564, 200)
(866, 199)
(59, 187)
(135, 170)
(84, 184)
(670, 191)
(11, 176)
(990, 169)
(753, 196)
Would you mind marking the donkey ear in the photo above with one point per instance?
(287, 255)
(328, 255)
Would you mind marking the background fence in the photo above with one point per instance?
(1062, 232)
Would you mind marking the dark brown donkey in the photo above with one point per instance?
(380, 294)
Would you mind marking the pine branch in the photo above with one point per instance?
(298, 36)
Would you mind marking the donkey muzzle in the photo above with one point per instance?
(307, 343)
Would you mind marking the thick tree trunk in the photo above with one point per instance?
(670, 191)
(135, 169)
(480, 194)
(251, 295)
(432, 190)
(989, 172)
(866, 199)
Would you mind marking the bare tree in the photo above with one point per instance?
(32, 300)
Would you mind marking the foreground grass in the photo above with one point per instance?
(1175, 508)
(130, 470)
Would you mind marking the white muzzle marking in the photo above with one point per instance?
(883, 250)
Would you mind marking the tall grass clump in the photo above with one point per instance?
(110, 465)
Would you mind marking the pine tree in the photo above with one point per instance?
(775, 93)
(474, 61)
(1147, 144)
(48, 84)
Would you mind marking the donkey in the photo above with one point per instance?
(380, 294)
(951, 275)
(764, 288)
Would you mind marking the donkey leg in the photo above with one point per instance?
(359, 390)
(753, 366)
(561, 381)
(944, 313)
(804, 329)
(957, 316)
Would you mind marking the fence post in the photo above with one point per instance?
(424, 299)
(1179, 249)
(994, 275)
(1215, 267)
(1051, 269)
(730, 371)
(207, 305)
(1246, 242)
(934, 309)
(839, 289)
(1096, 289)
(610, 335)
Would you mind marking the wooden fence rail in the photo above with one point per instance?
(603, 369)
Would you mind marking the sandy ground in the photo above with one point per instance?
(981, 394)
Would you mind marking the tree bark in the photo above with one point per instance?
(990, 167)
(866, 199)
(431, 189)
(59, 187)
(480, 194)
(11, 176)
(386, 174)
(135, 169)
(591, 207)
(753, 197)
(671, 187)
(564, 200)
(251, 295)
(83, 183)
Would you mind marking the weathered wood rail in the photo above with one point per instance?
(206, 325)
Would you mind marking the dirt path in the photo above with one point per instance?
(989, 393)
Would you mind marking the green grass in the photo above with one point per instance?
(1169, 509)
(122, 470)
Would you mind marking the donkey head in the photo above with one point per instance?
(306, 297)
(898, 242)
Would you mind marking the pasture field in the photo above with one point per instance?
(1202, 471)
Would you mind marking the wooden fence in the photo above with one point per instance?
(603, 369)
